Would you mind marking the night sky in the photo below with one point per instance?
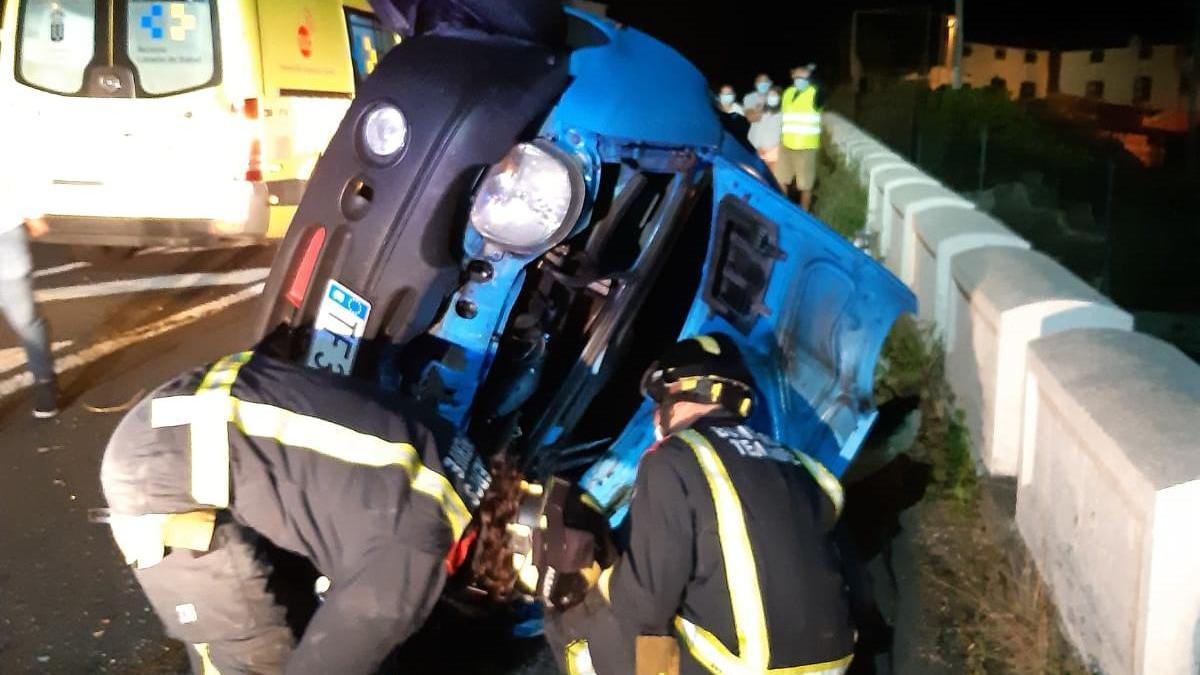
(732, 41)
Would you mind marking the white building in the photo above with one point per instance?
(1136, 72)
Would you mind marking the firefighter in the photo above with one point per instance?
(730, 565)
(220, 462)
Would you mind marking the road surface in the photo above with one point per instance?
(120, 328)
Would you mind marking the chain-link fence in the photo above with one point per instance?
(1122, 216)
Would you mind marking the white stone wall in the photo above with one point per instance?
(1109, 494)
(1100, 425)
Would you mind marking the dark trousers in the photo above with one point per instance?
(593, 626)
(222, 604)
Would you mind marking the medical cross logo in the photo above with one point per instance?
(155, 22)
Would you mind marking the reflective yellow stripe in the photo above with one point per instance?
(353, 447)
(213, 407)
(714, 657)
(206, 664)
(749, 620)
(579, 659)
(709, 344)
(209, 432)
(826, 480)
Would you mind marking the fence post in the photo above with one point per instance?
(983, 146)
(1106, 275)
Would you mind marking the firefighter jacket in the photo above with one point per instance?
(730, 550)
(373, 492)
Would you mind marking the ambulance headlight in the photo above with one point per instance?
(383, 133)
(530, 200)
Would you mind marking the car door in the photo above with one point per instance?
(808, 309)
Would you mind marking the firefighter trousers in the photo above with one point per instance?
(588, 639)
(222, 605)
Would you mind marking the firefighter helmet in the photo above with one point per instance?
(703, 369)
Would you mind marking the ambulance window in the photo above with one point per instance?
(369, 42)
(56, 41)
(171, 45)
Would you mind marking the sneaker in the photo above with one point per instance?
(45, 400)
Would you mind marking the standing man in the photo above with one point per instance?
(21, 217)
(730, 550)
(753, 103)
(801, 136)
(375, 493)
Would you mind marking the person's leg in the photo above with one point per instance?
(806, 176)
(217, 602)
(785, 171)
(589, 639)
(17, 305)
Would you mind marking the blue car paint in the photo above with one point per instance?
(813, 359)
(619, 89)
(813, 355)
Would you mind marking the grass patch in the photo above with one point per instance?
(840, 200)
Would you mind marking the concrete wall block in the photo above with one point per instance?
(941, 235)
(1006, 297)
(860, 151)
(907, 204)
(879, 195)
(1109, 493)
(879, 161)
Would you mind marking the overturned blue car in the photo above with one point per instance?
(525, 205)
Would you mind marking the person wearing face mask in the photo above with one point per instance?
(797, 164)
(727, 100)
(767, 132)
(755, 101)
(730, 565)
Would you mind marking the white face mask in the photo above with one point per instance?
(773, 100)
(727, 99)
(801, 83)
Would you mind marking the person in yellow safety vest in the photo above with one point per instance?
(801, 136)
(731, 566)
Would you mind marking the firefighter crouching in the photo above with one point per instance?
(730, 566)
(374, 493)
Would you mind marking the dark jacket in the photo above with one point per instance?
(676, 565)
(321, 467)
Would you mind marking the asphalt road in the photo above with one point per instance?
(67, 604)
(120, 327)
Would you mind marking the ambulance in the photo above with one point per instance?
(190, 122)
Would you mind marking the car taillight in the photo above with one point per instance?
(254, 172)
(304, 271)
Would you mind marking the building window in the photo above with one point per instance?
(1141, 89)
(1001, 53)
(999, 83)
(1095, 90)
(1097, 56)
(1028, 90)
(1030, 56)
(1145, 51)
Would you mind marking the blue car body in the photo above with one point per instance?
(707, 243)
(818, 328)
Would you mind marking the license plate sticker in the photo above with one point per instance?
(341, 323)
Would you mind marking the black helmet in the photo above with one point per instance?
(708, 369)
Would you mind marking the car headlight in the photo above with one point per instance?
(383, 133)
(530, 200)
